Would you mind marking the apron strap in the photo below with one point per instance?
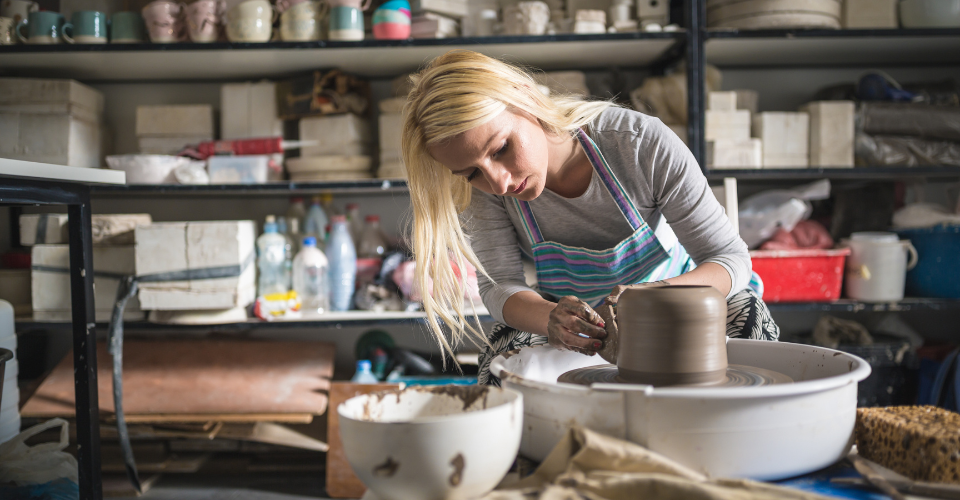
(610, 180)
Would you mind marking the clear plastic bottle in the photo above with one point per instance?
(284, 230)
(293, 231)
(355, 221)
(316, 222)
(373, 244)
(326, 201)
(274, 275)
(343, 265)
(364, 375)
(297, 210)
(311, 274)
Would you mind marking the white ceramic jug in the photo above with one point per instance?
(877, 266)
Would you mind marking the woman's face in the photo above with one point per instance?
(507, 156)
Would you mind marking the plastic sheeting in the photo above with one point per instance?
(908, 119)
(886, 150)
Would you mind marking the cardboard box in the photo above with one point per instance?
(50, 279)
(345, 134)
(170, 247)
(177, 121)
(330, 92)
(249, 110)
(60, 139)
(726, 153)
(112, 229)
(15, 289)
(831, 133)
(452, 8)
(732, 125)
(870, 14)
(48, 96)
(786, 138)
(390, 132)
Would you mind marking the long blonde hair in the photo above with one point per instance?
(456, 92)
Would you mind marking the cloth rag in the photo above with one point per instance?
(586, 465)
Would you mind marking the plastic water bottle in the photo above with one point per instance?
(311, 273)
(355, 222)
(272, 261)
(297, 210)
(316, 222)
(373, 244)
(363, 374)
(343, 265)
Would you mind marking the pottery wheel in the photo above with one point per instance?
(737, 376)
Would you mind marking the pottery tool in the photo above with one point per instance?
(255, 146)
(874, 478)
(919, 488)
(672, 336)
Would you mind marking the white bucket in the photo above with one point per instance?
(877, 266)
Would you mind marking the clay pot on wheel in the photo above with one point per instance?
(677, 336)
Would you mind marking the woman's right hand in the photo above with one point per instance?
(570, 317)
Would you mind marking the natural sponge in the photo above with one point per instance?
(920, 442)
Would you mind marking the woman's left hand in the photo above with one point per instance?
(570, 317)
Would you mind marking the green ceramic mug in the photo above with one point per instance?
(127, 27)
(86, 26)
(43, 27)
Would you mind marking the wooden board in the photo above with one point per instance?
(341, 481)
(209, 379)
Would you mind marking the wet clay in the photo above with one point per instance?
(608, 312)
(469, 394)
(674, 335)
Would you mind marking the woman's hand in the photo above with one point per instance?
(570, 317)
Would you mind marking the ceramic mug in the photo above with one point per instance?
(86, 26)
(6, 31)
(127, 27)
(876, 270)
(251, 21)
(43, 28)
(301, 22)
(204, 19)
(17, 9)
(356, 4)
(164, 20)
(346, 23)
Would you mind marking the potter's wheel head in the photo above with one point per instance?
(736, 376)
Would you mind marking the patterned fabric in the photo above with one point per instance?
(591, 274)
(747, 318)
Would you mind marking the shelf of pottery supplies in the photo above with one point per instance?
(826, 47)
(368, 58)
(908, 304)
(367, 186)
(948, 173)
(344, 319)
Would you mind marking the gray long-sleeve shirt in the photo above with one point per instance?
(657, 172)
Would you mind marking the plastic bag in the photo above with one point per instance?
(907, 119)
(762, 214)
(42, 463)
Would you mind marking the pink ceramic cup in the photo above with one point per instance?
(164, 20)
(204, 19)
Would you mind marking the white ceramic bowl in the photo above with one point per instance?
(930, 13)
(148, 169)
(432, 443)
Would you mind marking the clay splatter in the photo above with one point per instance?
(386, 469)
(467, 394)
(458, 466)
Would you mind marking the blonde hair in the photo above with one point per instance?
(456, 92)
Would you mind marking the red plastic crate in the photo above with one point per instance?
(800, 275)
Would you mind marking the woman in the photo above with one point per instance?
(585, 189)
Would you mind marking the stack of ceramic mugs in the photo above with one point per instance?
(22, 21)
